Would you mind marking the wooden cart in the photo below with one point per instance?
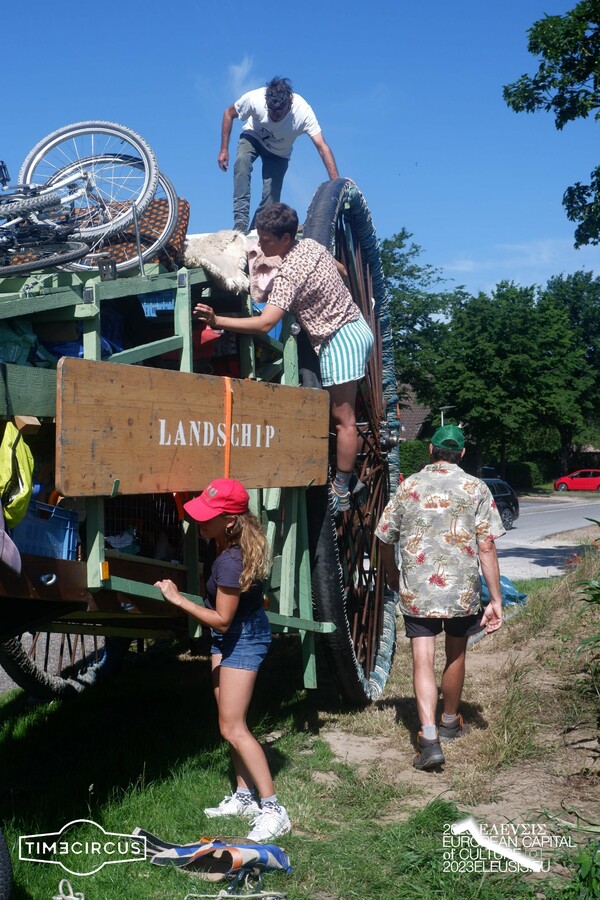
(160, 419)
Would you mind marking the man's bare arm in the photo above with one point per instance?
(325, 154)
(488, 558)
(228, 116)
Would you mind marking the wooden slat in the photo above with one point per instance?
(136, 430)
(32, 391)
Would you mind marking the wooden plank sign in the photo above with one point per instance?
(137, 430)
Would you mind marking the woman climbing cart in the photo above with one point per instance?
(309, 285)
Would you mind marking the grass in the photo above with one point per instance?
(143, 750)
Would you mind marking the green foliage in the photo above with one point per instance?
(521, 367)
(523, 476)
(579, 295)
(509, 362)
(413, 454)
(585, 876)
(567, 83)
(419, 314)
(582, 204)
(586, 882)
(543, 469)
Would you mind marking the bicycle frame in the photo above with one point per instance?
(18, 192)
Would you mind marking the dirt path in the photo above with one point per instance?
(552, 768)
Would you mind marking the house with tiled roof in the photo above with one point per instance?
(414, 418)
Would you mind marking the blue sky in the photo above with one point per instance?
(408, 94)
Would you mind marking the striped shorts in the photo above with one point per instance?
(344, 357)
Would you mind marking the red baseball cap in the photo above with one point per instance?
(223, 495)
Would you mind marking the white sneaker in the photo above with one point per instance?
(269, 823)
(233, 806)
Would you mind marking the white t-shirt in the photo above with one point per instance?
(276, 137)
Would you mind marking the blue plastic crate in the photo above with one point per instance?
(47, 531)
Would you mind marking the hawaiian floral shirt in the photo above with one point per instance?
(437, 517)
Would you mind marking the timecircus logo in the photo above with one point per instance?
(82, 847)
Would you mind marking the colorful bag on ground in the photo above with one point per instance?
(215, 860)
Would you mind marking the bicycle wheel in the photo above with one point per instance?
(347, 582)
(32, 257)
(24, 206)
(113, 188)
(156, 225)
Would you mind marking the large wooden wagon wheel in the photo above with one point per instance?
(347, 583)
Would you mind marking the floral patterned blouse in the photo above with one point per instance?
(309, 285)
(437, 517)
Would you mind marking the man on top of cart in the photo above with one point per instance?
(274, 117)
(309, 285)
(445, 523)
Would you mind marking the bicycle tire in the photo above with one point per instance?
(42, 256)
(155, 226)
(24, 206)
(72, 146)
(6, 879)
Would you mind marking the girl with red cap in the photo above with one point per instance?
(241, 633)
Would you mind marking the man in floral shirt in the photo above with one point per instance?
(445, 523)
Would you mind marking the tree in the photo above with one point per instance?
(579, 295)
(419, 314)
(511, 363)
(567, 83)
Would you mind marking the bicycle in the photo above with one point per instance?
(131, 246)
(77, 183)
(26, 244)
(121, 167)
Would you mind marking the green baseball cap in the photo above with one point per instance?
(449, 437)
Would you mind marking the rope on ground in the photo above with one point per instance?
(63, 887)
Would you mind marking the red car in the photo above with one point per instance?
(581, 480)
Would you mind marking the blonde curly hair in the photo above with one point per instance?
(248, 533)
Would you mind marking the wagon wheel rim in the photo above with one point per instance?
(369, 607)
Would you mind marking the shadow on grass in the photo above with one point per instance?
(405, 709)
(135, 728)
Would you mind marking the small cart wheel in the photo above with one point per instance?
(347, 582)
(48, 666)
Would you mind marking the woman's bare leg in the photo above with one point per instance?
(233, 691)
(343, 417)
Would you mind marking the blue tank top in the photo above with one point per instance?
(225, 572)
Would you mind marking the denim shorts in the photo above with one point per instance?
(246, 643)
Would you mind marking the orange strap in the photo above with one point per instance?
(228, 418)
(181, 497)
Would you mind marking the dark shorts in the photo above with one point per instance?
(457, 626)
(246, 643)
